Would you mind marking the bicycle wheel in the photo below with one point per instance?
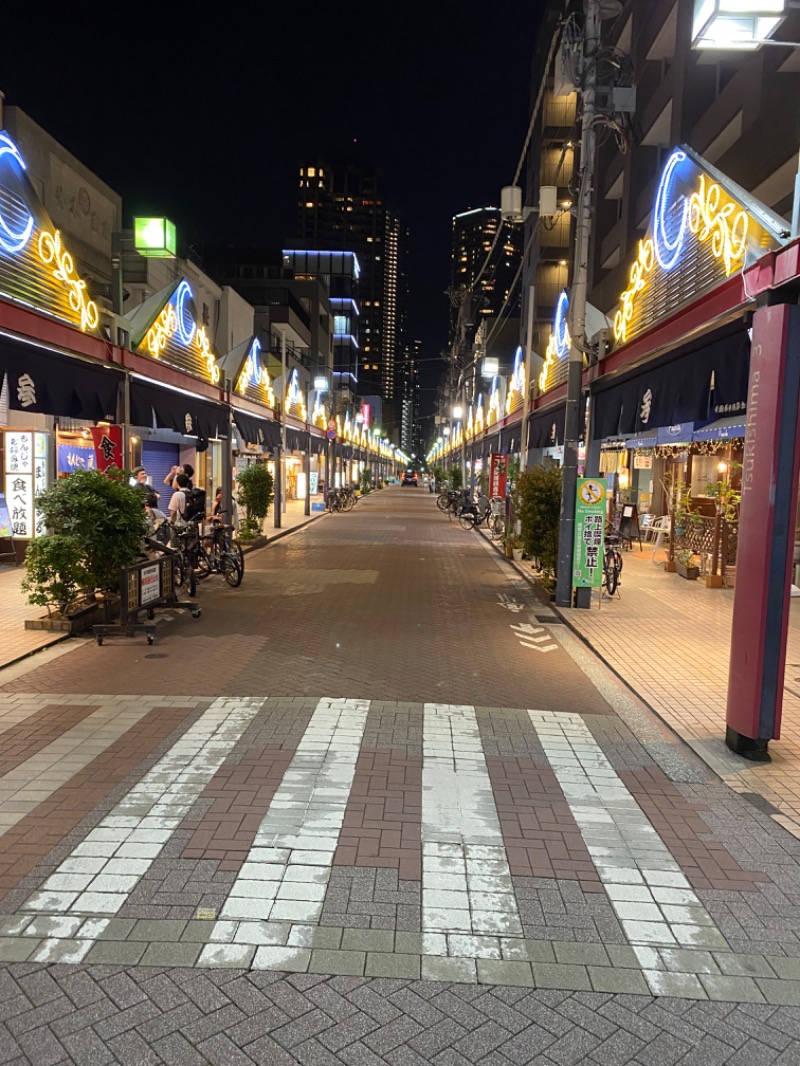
(235, 549)
(442, 501)
(179, 573)
(611, 575)
(349, 502)
(497, 526)
(231, 570)
(205, 561)
(467, 520)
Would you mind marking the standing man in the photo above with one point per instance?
(186, 469)
(142, 481)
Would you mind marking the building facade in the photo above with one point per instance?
(342, 207)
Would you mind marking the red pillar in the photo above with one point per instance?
(770, 471)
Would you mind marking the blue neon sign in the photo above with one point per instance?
(560, 326)
(11, 239)
(184, 315)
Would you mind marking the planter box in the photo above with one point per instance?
(517, 553)
(691, 573)
(80, 621)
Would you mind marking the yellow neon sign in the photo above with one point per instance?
(707, 218)
(51, 250)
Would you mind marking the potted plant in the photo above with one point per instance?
(685, 565)
(537, 506)
(254, 492)
(97, 527)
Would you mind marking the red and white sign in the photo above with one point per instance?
(498, 472)
(107, 442)
(150, 584)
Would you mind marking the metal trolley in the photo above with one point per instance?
(144, 588)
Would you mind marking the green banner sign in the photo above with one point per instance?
(590, 521)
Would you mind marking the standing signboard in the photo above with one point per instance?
(590, 519)
(498, 472)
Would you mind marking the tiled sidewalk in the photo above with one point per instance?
(17, 642)
(669, 639)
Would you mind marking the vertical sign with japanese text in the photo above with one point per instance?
(19, 481)
(498, 472)
(107, 442)
(590, 519)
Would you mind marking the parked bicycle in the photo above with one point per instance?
(342, 499)
(220, 553)
(481, 513)
(612, 565)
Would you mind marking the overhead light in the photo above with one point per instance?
(320, 383)
(154, 237)
(735, 25)
(458, 412)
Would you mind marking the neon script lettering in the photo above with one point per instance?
(704, 215)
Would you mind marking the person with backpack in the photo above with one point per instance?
(179, 500)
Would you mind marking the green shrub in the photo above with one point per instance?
(254, 492)
(55, 572)
(104, 516)
(537, 500)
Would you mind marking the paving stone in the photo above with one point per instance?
(337, 962)
(116, 951)
(610, 979)
(503, 971)
(171, 954)
(377, 940)
(547, 975)
(732, 989)
(392, 964)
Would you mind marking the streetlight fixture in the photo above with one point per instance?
(736, 25)
(744, 26)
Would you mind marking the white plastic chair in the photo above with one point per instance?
(659, 530)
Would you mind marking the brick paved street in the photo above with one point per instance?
(377, 805)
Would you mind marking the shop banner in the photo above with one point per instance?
(498, 473)
(70, 457)
(6, 530)
(590, 519)
(107, 442)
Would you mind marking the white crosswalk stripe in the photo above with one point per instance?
(288, 867)
(101, 872)
(651, 896)
(466, 881)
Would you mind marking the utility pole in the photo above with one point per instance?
(573, 421)
(526, 405)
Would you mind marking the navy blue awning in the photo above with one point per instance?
(722, 429)
(677, 433)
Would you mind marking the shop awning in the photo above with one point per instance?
(643, 440)
(678, 433)
(509, 439)
(722, 429)
(691, 384)
(48, 382)
(262, 431)
(546, 428)
(180, 411)
(296, 439)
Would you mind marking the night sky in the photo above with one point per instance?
(203, 116)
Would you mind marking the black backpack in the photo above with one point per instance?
(195, 502)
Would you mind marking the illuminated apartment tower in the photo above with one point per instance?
(473, 237)
(409, 387)
(342, 207)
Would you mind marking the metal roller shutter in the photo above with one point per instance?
(158, 459)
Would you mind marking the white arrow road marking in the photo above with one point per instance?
(509, 602)
(526, 634)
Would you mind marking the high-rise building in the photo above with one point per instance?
(342, 207)
(485, 258)
(409, 388)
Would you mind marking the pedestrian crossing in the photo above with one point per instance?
(273, 913)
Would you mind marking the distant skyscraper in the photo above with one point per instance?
(342, 207)
(474, 234)
(409, 387)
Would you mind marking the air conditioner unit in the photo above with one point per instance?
(601, 343)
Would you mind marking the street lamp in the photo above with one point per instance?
(736, 25)
(744, 26)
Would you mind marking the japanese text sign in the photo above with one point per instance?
(590, 518)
